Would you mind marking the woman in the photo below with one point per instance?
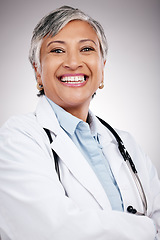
(62, 175)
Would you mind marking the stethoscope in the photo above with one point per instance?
(127, 159)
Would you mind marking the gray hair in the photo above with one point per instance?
(52, 23)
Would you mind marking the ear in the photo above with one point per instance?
(37, 73)
(103, 66)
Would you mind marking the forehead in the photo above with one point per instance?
(78, 26)
(75, 30)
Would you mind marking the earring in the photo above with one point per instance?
(101, 85)
(39, 86)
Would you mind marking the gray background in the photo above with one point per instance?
(130, 99)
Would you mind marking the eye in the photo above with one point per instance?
(57, 50)
(87, 49)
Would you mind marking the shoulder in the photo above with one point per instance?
(139, 157)
(22, 127)
(128, 139)
(19, 123)
(22, 140)
(104, 128)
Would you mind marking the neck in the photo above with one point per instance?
(80, 112)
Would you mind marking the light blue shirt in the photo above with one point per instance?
(88, 143)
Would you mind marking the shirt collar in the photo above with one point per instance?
(66, 120)
(69, 122)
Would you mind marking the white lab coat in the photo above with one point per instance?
(35, 205)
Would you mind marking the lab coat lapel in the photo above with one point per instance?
(79, 167)
(123, 176)
(70, 154)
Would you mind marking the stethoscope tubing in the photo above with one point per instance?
(127, 158)
(140, 190)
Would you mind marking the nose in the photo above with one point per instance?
(72, 61)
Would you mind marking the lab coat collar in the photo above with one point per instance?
(46, 117)
(99, 128)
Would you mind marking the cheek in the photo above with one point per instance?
(96, 65)
(47, 71)
(98, 71)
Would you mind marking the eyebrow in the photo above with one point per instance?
(63, 42)
(87, 40)
(58, 41)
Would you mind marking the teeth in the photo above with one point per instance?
(73, 79)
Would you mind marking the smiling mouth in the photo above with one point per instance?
(76, 79)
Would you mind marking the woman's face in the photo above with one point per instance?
(71, 65)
